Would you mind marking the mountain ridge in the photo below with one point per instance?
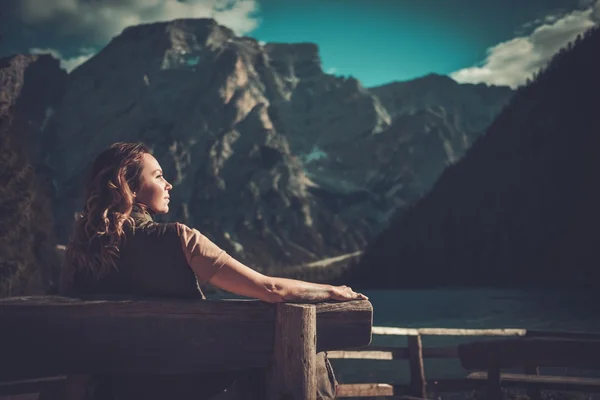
(519, 208)
(278, 162)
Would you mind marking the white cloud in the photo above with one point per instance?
(512, 62)
(99, 21)
(331, 70)
(67, 63)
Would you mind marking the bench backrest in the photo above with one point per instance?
(531, 352)
(46, 336)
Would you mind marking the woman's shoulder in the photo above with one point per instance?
(184, 230)
(151, 228)
(188, 234)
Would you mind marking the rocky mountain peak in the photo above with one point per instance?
(29, 79)
(190, 32)
(30, 88)
(295, 60)
(443, 96)
(178, 44)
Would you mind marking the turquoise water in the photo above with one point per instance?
(554, 310)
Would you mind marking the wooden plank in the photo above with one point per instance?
(543, 352)
(548, 382)
(386, 330)
(62, 387)
(397, 353)
(25, 396)
(417, 368)
(56, 335)
(344, 325)
(494, 390)
(534, 393)
(361, 355)
(563, 335)
(394, 353)
(29, 385)
(365, 390)
(292, 372)
(434, 386)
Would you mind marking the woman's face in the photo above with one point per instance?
(154, 188)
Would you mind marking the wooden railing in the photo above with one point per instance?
(45, 340)
(523, 349)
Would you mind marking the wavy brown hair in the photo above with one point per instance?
(108, 201)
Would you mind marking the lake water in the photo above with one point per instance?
(553, 310)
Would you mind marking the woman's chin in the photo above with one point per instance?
(162, 210)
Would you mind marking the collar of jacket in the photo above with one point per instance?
(139, 213)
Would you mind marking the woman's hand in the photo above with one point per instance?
(345, 293)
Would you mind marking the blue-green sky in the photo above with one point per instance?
(384, 40)
(376, 41)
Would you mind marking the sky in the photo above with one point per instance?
(499, 42)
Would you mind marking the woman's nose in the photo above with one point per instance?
(169, 186)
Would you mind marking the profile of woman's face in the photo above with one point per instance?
(154, 188)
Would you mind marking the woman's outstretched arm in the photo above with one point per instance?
(210, 263)
(237, 278)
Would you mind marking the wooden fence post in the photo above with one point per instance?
(291, 375)
(494, 390)
(534, 393)
(417, 369)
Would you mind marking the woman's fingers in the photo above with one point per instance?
(346, 293)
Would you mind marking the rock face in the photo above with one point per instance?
(521, 207)
(431, 122)
(276, 161)
(29, 85)
(440, 119)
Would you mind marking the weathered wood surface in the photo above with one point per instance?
(393, 353)
(534, 393)
(574, 349)
(30, 385)
(45, 336)
(344, 325)
(291, 375)
(475, 380)
(365, 389)
(363, 355)
(385, 330)
(416, 366)
(566, 383)
(541, 352)
(562, 334)
(494, 390)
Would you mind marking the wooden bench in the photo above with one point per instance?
(529, 354)
(44, 339)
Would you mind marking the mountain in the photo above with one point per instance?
(521, 207)
(29, 262)
(276, 161)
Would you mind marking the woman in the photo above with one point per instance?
(117, 249)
